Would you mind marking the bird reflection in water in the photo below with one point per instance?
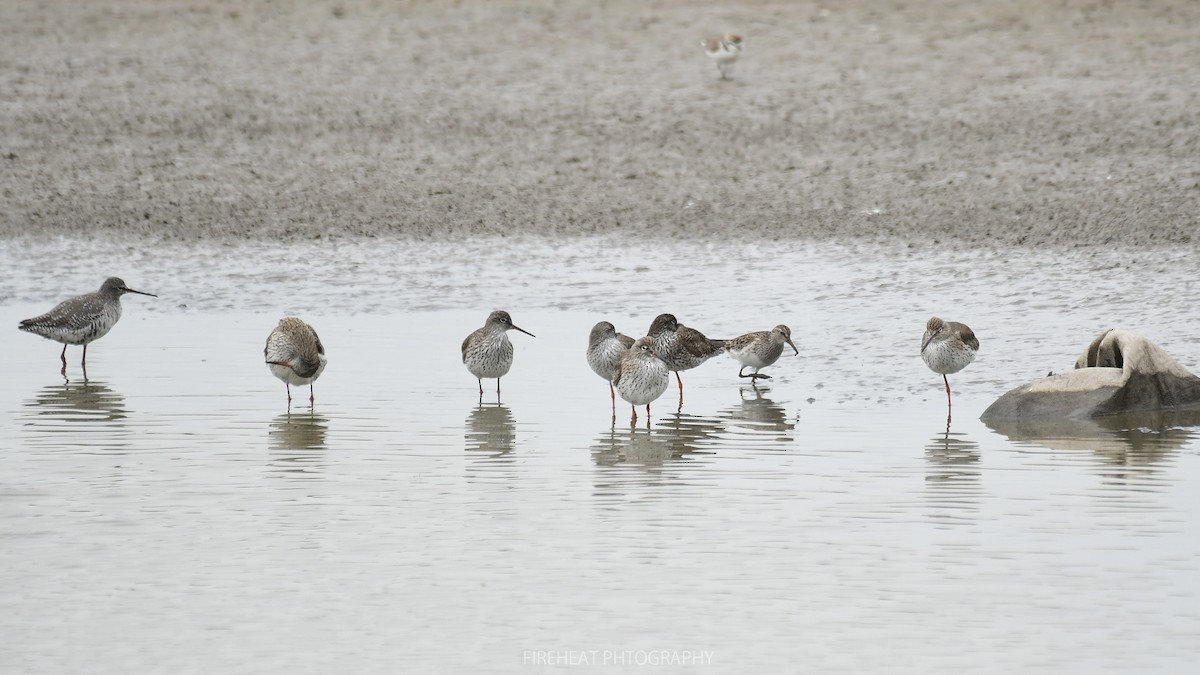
(89, 417)
(673, 437)
(296, 441)
(79, 402)
(490, 429)
(952, 481)
(759, 414)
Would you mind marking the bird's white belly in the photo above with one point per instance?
(491, 358)
(945, 360)
(643, 385)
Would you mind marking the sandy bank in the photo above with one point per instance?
(1007, 122)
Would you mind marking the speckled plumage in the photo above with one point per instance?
(760, 349)
(294, 354)
(605, 347)
(82, 319)
(487, 352)
(681, 347)
(947, 347)
(724, 49)
(640, 375)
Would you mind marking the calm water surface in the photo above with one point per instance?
(171, 515)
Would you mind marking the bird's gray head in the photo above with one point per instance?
(934, 324)
(117, 285)
(503, 320)
(663, 323)
(500, 317)
(602, 330)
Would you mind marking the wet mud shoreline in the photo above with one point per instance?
(1007, 123)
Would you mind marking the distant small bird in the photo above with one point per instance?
(605, 347)
(82, 319)
(681, 347)
(947, 347)
(487, 351)
(760, 349)
(724, 49)
(295, 355)
(641, 376)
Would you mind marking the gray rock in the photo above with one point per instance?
(1119, 372)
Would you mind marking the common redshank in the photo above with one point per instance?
(605, 347)
(947, 347)
(641, 376)
(487, 352)
(681, 347)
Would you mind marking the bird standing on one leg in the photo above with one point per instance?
(724, 49)
(605, 347)
(681, 347)
(640, 376)
(760, 349)
(82, 319)
(295, 355)
(487, 351)
(947, 347)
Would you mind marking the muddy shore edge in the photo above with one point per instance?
(1001, 123)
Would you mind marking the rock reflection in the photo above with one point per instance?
(296, 440)
(759, 414)
(491, 429)
(952, 478)
(1126, 440)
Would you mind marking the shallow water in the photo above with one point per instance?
(171, 515)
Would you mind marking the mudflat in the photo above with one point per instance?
(1013, 122)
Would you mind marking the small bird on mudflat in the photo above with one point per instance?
(641, 376)
(295, 355)
(82, 319)
(681, 347)
(760, 349)
(947, 347)
(724, 49)
(487, 351)
(605, 347)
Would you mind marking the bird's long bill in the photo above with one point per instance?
(925, 342)
(130, 290)
(794, 347)
(516, 327)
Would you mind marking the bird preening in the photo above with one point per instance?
(294, 354)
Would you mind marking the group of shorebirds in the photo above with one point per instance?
(639, 370)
